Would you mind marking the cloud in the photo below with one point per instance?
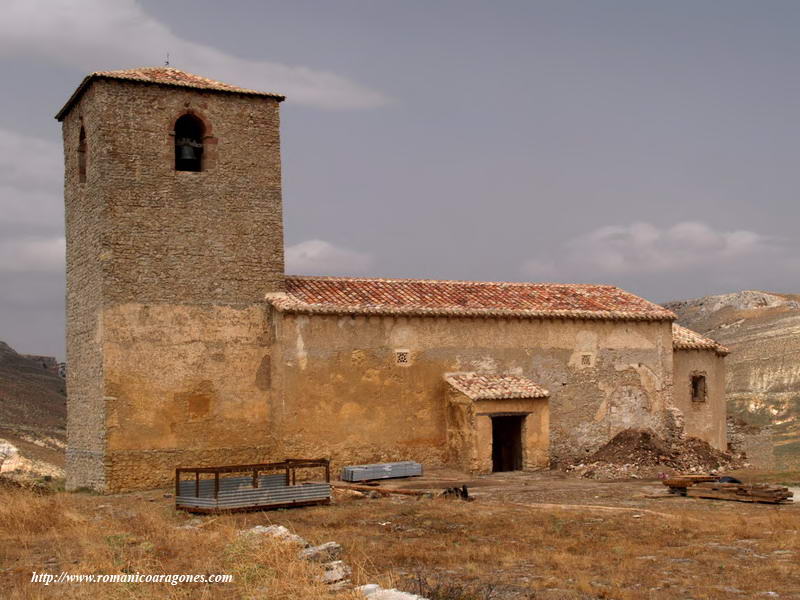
(26, 255)
(317, 257)
(30, 183)
(644, 248)
(32, 215)
(97, 34)
(29, 162)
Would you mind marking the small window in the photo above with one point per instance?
(402, 357)
(586, 360)
(82, 156)
(698, 388)
(189, 133)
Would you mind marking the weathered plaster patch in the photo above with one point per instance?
(302, 356)
(627, 338)
(264, 374)
(485, 364)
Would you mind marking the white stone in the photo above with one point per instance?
(276, 531)
(336, 571)
(10, 459)
(326, 552)
(375, 592)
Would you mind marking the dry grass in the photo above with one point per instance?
(81, 533)
(447, 549)
(519, 552)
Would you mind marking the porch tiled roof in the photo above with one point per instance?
(686, 339)
(495, 387)
(424, 297)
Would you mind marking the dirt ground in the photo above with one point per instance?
(541, 535)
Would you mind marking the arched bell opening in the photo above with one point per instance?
(189, 132)
(82, 156)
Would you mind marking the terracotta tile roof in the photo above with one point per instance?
(420, 297)
(161, 76)
(495, 387)
(686, 339)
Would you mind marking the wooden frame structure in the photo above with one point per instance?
(260, 489)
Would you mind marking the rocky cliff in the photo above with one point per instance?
(762, 330)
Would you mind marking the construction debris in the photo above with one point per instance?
(461, 493)
(695, 486)
(643, 454)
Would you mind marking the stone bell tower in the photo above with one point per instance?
(174, 236)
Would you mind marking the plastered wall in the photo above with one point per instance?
(704, 420)
(344, 395)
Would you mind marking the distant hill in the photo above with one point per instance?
(762, 330)
(30, 396)
(33, 410)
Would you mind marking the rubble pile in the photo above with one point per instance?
(337, 574)
(643, 454)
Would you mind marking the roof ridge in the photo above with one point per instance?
(164, 76)
(432, 297)
(453, 281)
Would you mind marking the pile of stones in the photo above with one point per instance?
(337, 573)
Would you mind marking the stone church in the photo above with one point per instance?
(188, 345)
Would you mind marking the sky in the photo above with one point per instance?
(649, 145)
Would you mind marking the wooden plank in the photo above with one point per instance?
(380, 490)
(718, 495)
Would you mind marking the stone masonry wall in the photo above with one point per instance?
(83, 212)
(180, 237)
(167, 273)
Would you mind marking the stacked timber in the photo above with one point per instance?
(741, 492)
(708, 486)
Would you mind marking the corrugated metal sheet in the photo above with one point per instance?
(382, 471)
(243, 497)
(187, 486)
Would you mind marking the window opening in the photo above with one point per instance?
(189, 132)
(698, 388)
(82, 156)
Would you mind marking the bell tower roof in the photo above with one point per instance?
(163, 76)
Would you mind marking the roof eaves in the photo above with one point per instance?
(470, 385)
(288, 305)
(718, 348)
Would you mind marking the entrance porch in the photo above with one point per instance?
(496, 423)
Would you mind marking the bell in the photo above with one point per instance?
(186, 152)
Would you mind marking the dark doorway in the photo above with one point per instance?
(507, 443)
